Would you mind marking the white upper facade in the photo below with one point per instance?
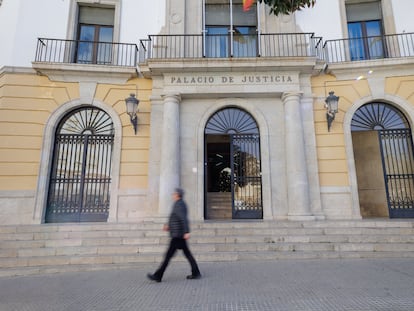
(22, 22)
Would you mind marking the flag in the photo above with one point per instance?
(247, 4)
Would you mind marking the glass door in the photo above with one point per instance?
(95, 44)
(229, 31)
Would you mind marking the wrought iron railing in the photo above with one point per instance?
(86, 52)
(367, 48)
(225, 46)
(288, 45)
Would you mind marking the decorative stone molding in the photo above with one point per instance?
(85, 73)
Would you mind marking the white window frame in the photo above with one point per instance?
(204, 31)
(388, 21)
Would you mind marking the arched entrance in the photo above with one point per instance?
(233, 183)
(80, 178)
(384, 161)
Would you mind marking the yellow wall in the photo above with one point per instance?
(401, 86)
(27, 101)
(135, 148)
(332, 160)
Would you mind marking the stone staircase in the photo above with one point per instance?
(219, 205)
(49, 248)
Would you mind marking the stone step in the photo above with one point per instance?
(219, 214)
(35, 265)
(155, 231)
(26, 257)
(131, 262)
(356, 235)
(209, 247)
(207, 225)
(10, 247)
(34, 248)
(219, 206)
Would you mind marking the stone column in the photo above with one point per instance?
(296, 167)
(170, 152)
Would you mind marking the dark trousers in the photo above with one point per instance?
(177, 243)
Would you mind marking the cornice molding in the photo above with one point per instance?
(85, 73)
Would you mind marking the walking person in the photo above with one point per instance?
(179, 229)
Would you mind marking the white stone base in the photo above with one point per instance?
(337, 203)
(16, 207)
(301, 217)
(132, 207)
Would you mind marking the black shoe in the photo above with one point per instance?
(152, 277)
(193, 277)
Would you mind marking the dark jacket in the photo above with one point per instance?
(178, 222)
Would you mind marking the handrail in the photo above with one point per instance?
(367, 48)
(86, 52)
(279, 45)
(221, 46)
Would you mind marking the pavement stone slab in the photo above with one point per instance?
(279, 285)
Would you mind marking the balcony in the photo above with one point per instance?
(66, 56)
(76, 57)
(369, 48)
(289, 45)
(86, 52)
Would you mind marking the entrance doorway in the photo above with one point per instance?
(233, 184)
(80, 179)
(384, 161)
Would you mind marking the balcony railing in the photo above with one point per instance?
(86, 52)
(225, 46)
(286, 45)
(367, 48)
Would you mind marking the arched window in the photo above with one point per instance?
(231, 121)
(378, 116)
(81, 171)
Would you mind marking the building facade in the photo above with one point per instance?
(232, 107)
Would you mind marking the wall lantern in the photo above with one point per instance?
(331, 105)
(131, 109)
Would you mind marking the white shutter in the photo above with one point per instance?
(96, 16)
(360, 12)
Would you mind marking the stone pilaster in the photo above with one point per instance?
(296, 165)
(170, 152)
(308, 122)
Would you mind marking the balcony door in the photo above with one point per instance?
(365, 30)
(229, 31)
(95, 35)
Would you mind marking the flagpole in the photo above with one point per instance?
(231, 28)
(258, 30)
(203, 31)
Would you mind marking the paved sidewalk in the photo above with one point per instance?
(299, 285)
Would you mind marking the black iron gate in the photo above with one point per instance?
(79, 187)
(397, 160)
(246, 176)
(397, 155)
